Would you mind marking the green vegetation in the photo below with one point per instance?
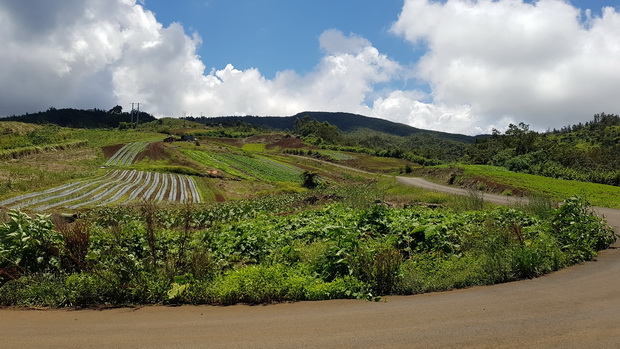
(246, 166)
(251, 253)
(78, 118)
(598, 194)
(254, 147)
(589, 153)
(171, 125)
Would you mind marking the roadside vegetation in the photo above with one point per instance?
(501, 180)
(332, 243)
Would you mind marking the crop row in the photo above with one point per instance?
(245, 166)
(115, 187)
(127, 154)
(211, 161)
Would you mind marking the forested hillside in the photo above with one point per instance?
(80, 118)
(587, 152)
(344, 121)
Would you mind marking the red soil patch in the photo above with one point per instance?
(219, 197)
(287, 143)
(110, 150)
(154, 151)
(271, 138)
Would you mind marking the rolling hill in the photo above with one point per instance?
(344, 121)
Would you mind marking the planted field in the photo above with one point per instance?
(261, 168)
(127, 154)
(247, 167)
(115, 187)
(336, 155)
(255, 147)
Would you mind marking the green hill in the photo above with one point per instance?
(80, 118)
(344, 121)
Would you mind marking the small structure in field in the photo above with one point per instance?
(183, 138)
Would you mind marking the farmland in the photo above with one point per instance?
(114, 187)
(251, 167)
(227, 220)
(127, 154)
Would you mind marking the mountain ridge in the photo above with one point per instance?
(344, 121)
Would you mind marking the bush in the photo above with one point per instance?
(28, 245)
(309, 179)
(579, 232)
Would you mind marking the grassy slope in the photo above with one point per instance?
(598, 194)
(7, 127)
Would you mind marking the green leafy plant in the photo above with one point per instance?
(579, 231)
(28, 245)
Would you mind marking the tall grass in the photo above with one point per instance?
(25, 151)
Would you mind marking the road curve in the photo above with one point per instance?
(612, 215)
(578, 307)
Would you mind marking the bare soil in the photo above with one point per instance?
(110, 150)
(287, 143)
(154, 151)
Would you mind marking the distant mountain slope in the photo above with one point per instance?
(344, 121)
(78, 118)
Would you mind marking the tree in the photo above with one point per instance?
(310, 127)
(116, 110)
(520, 138)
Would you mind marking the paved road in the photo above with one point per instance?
(578, 307)
(612, 215)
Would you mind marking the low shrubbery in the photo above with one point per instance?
(211, 255)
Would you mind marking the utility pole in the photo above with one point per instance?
(136, 112)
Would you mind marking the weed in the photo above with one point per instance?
(148, 209)
(76, 237)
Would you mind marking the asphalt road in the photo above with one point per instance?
(578, 307)
(612, 215)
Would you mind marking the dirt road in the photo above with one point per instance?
(578, 307)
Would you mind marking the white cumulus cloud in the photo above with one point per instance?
(546, 63)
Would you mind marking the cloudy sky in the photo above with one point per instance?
(463, 66)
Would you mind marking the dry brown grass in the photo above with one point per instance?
(287, 143)
(58, 161)
(17, 127)
(375, 163)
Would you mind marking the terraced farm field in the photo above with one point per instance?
(336, 155)
(127, 154)
(248, 167)
(115, 187)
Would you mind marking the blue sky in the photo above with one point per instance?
(275, 35)
(464, 66)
